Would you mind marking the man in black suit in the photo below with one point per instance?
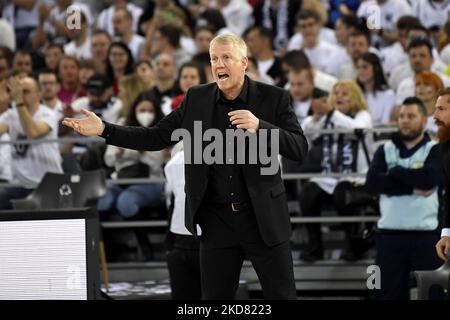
(241, 211)
(442, 119)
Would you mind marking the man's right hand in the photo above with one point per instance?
(443, 247)
(91, 125)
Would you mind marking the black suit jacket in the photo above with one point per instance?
(272, 106)
(445, 154)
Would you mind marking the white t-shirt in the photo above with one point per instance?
(445, 54)
(135, 46)
(21, 18)
(301, 109)
(238, 15)
(58, 108)
(81, 52)
(30, 162)
(380, 105)
(105, 18)
(8, 38)
(174, 171)
(326, 34)
(393, 56)
(431, 13)
(319, 56)
(390, 12)
(340, 120)
(5, 159)
(264, 65)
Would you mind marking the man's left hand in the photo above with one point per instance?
(244, 119)
(15, 88)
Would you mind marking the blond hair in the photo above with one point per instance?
(230, 38)
(357, 100)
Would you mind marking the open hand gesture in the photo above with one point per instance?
(91, 125)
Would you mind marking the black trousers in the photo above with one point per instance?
(400, 253)
(230, 237)
(184, 273)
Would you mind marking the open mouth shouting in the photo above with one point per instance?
(223, 76)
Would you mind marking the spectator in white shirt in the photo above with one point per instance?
(123, 30)
(317, 50)
(48, 82)
(105, 18)
(80, 46)
(421, 59)
(389, 12)
(380, 99)
(301, 87)
(5, 149)
(238, 14)
(29, 120)
(357, 45)
(432, 13)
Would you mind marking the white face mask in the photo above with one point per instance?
(145, 118)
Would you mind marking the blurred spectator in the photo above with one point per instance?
(190, 74)
(123, 30)
(346, 109)
(380, 98)
(167, 40)
(213, 18)
(68, 74)
(143, 79)
(297, 60)
(427, 86)
(317, 50)
(421, 59)
(52, 25)
(99, 50)
(165, 89)
(202, 37)
(8, 38)
(390, 12)
(80, 46)
(344, 27)
(120, 63)
(204, 60)
(29, 120)
(49, 86)
(24, 17)
(301, 87)
(406, 172)
(397, 53)
(22, 63)
(279, 16)
(315, 30)
(5, 149)
(433, 14)
(444, 45)
(357, 45)
(238, 14)
(100, 99)
(87, 70)
(259, 42)
(53, 53)
(254, 74)
(6, 61)
(105, 18)
(129, 199)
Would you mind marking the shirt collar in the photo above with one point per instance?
(242, 97)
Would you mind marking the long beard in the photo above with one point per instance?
(443, 133)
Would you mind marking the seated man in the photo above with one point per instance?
(406, 172)
(28, 119)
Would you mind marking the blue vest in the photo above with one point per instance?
(408, 212)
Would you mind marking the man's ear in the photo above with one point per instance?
(245, 63)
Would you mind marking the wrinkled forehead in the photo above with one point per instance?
(219, 49)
